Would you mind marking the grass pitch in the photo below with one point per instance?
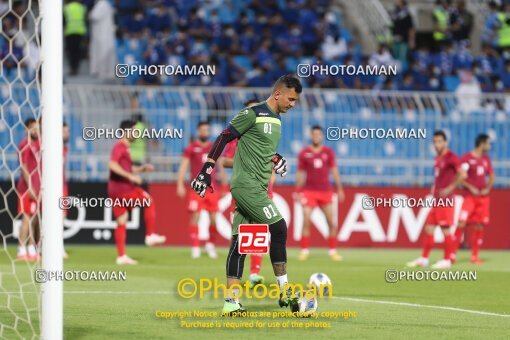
(379, 310)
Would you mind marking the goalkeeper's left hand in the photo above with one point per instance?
(280, 164)
(203, 180)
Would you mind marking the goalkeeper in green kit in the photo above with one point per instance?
(259, 130)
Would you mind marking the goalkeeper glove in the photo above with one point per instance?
(280, 164)
(203, 180)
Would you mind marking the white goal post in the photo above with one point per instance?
(52, 171)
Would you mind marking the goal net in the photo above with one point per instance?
(22, 184)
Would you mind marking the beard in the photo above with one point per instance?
(203, 139)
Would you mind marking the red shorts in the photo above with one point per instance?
(136, 194)
(441, 216)
(26, 205)
(208, 203)
(475, 209)
(312, 198)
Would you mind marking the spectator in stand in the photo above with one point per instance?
(369, 81)
(264, 55)
(444, 59)
(136, 23)
(404, 34)
(441, 19)
(497, 84)
(259, 76)
(279, 69)
(236, 74)
(290, 42)
(214, 24)
(482, 76)
(503, 27)
(159, 20)
(489, 35)
(463, 57)
(382, 57)
(461, 22)
(180, 43)
(407, 83)
(248, 41)
(194, 25)
(102, 40)
(334, 47)
(506, 75)
(75, 30)
(308, 20)
(468, 92)
(421, 58)
(154, 54)
(490, 61)
(225, 40)
(433, 80)
(221, 75)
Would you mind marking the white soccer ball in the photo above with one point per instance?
(321, 282)
(307, 306)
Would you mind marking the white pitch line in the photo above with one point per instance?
(383, 302)
(407, 304)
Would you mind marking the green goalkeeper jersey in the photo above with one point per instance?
(260, 130)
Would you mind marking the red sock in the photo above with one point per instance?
(458, 238)
(305, 241)
(212, 232)
(476, 242)
(428, 244)
(193, 233)
(332, 243)
(150, 218)
(449, 244)
(120, 239)
(256, 262)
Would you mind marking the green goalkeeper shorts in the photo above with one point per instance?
(253, 207)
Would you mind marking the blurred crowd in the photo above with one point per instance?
(447, 63)
(251, 43)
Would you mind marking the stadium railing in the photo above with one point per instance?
(362, 161)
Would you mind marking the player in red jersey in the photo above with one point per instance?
(124, 184)
(315, 162)
(28, 188)
(475, 208)
(448, 174)
(195, 155)
(227, 161)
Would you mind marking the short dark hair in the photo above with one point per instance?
(127, 124)
(317, 127)
(64, 124)
(202, 122)
(289, 81)
(137, 117)
(250, 101)
(481, 138)
(29, 121)
(440, 133)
